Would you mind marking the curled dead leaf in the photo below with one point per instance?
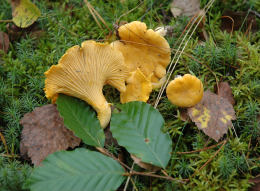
(212, 115)
(44, 133)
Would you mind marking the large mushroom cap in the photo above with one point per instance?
(185, 91)
(138, 88)
(83, 71)
(143, 49)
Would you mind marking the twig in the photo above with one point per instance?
(205, 164)
(204, 149)
(134, 186)
(9, 156)
(6, 21)
(129, 177)
(94, 13)
(152, 175)
(4, 142)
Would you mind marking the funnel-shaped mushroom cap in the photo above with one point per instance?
(138, 88)
(83, 71)
(185, 91)
(143, 49)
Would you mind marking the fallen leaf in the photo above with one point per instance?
(212, 115)
(24, 12)
(185, 7)
(44, 133)
(4, 41)
(225, 91)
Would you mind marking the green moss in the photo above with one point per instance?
(232, 58)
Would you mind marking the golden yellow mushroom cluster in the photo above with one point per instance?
(135, 64)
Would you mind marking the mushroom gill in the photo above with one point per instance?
(83, 71)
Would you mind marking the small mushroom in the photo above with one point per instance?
(185, 91)
(83, 71)
(138, 87)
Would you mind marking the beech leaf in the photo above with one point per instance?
(212, 115)
(44, 133)
(138, 128)
(81, 119)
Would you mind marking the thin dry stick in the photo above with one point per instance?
(153, 175)
(205, 164)
(171, 69)
(134, 186)
(92, 13)
(6, 21)
(4, 142)
(129, 177)
(9, 156)
(204, 149)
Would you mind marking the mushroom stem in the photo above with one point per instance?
(103, 114)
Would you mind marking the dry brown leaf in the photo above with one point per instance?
(212, 115)
(225, 91)
(44, 133)
(4, 41)
(185, 7)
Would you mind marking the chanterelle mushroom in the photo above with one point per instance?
(144, 49)
(138, 87)
(83, 71)
(185, 91)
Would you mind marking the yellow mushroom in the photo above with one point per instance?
(185, 91)
(138, 87)
(83, 71)
(144, 49)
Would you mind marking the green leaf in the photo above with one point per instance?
(25, 13)
(138, 127)
(81, 119)
(77, 170)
